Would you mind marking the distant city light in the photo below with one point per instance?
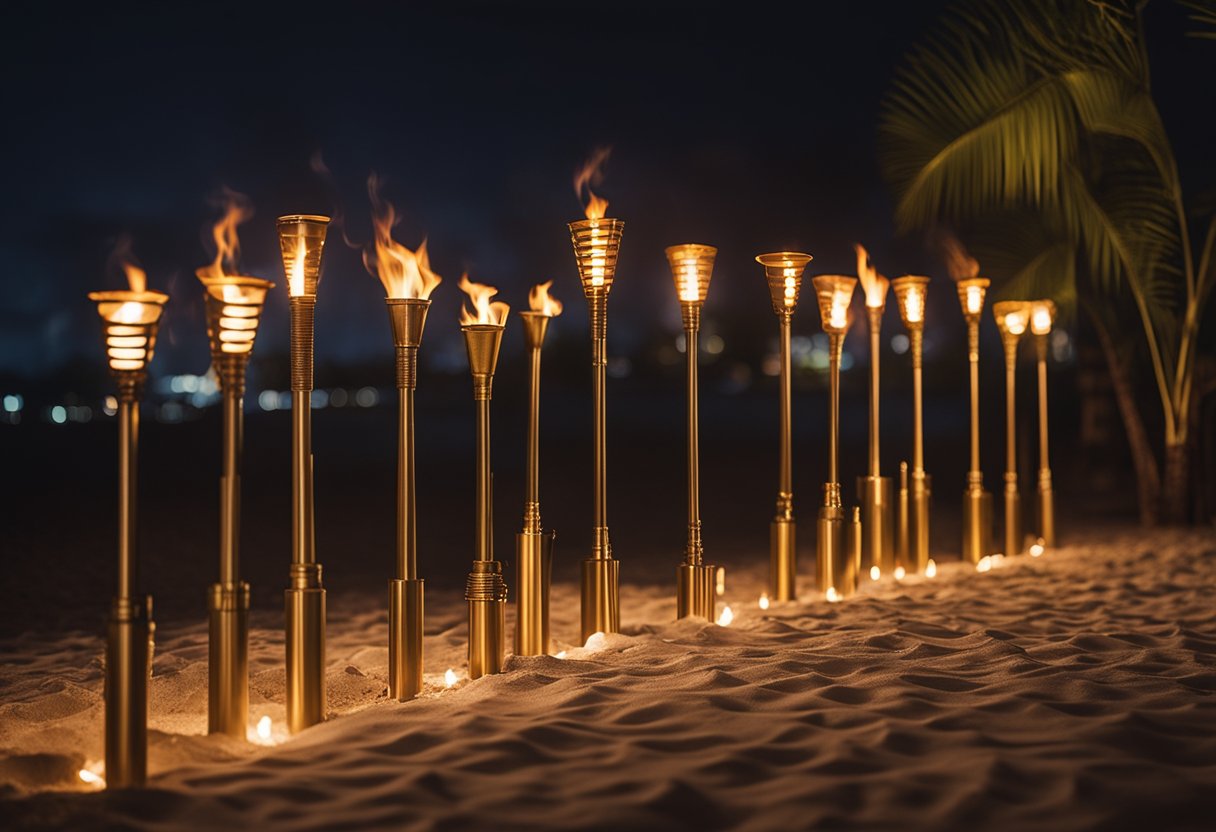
(899, 344)
(367, 397)
(338, 398)
(13, 403)
(109, 406)
(319, 400)
(59, 414)
(268, 400)
(714, 344)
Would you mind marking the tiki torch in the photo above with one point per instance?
(408, 283)
(692, 267)
(874, 490)
(1012, 316)
(910, 292)
(129, 323)
(783, 273)
(302, 240)
(534, 548)
(977, 503)
(1041, 318)
(836, 570)
(485, 589)
(597, 243)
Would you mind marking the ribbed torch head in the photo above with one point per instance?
(1012, 317)
(129, 323)
(910, 293)
(302, 241)
(692, 267)
(783, 272)
(596, 246)
(834, 293)
(971, 291)
(234, 310)
(1042, 316)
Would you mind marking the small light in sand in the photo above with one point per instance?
(984, 564)
(900, 572)
(264, 729)
(721, 575)
(875, 573)
(931, 569)
(92, 778)
(595, 641)
(449, 677)
(560, 655)
(763, 600)
(726, 617)
(1037, 548)
(832, 595)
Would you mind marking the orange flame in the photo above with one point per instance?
(404, 273)
(237, 210)
(539, 300)
(592, 174)
(486, 312)
(960, 264)
(872, 283)
(137, 278)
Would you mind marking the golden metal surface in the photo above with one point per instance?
(877, 523)
(1012, 319)
(977, 503)
(911, 292)
(830, 551)
(902, 521)
(596, 247)
(1046, 500)
(533, 549)
(783, 562)
(305, 608)
(128, 667)
(405, 618)
(228, 659)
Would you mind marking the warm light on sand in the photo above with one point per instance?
(263, 729)
(900, 572)
(561, 655)
(1037, 548)
(726, 616)
(875, 573)
(931, 569)
(832, 595)
(92, 778)
(595, 641)
(984, 564)
(449, 677)
(763, 600)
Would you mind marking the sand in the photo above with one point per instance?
(1075, 690)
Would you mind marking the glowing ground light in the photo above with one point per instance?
(595, 641)
(92, 778)
(984, 565)
(764, 600)
(900, 572)
(931, 569)
(875, 573)
(726, 617)
(449, 677)
(1037, 548)
(832, 595)
(264, 729)
(560, 655)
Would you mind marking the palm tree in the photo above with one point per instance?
(1046, 109)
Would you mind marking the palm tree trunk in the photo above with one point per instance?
(1176, 492)
(1148, 482)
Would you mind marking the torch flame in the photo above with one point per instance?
(975, 299)
(874, 284)
(539, 300)
(486, 312)
(914, 306)
(137, 278)
(960, 264)
(591, 174)
(839, 316)
(1015, 322)
(763, 600)
(404, 273)
(227, 244)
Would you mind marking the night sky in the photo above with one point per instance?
(746, 128)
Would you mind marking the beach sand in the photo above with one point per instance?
(1075, 690)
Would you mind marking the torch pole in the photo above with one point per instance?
(1047, 521)
(783, 566)
(918, 533)
(874, 490)
(1013, 505)
(830, 542)
(977, 503)
(694, 580)
(533, 549)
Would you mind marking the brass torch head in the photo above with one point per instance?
(911, 292)
(482, 342)
(536, 324)
(301, 241)
(408, 317)
(129, 323)
(692, 267)
(1012, 318)
(1042, 316)
(783, 272)
(971, 292)
(596, 246)
(234, 310)
(834, 293)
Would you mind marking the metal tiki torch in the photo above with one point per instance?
(874, 490)
(783, 273)
(836, 570)
(234, 309)
(408, 283)
(129, 323)
(1042, 316)
(302, 241)
(533, 547)
(485, 589)
(1012, 316)
(977, 502)
(597, 243)
(910, 292)
(692, 267)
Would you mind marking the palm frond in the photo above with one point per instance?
(1203, 15)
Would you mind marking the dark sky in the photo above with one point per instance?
(743, 127)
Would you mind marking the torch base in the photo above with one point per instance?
(1013, 522)
(305, 657)
(228, 659)
(918, 524)
(405, 616)
(834, 566)
(601, 604)
(128, 668)
(534, 562)
(487, 623)
(977, 525)
(877, 523)
(783, 561)
(1047, 513)
(695, 590)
